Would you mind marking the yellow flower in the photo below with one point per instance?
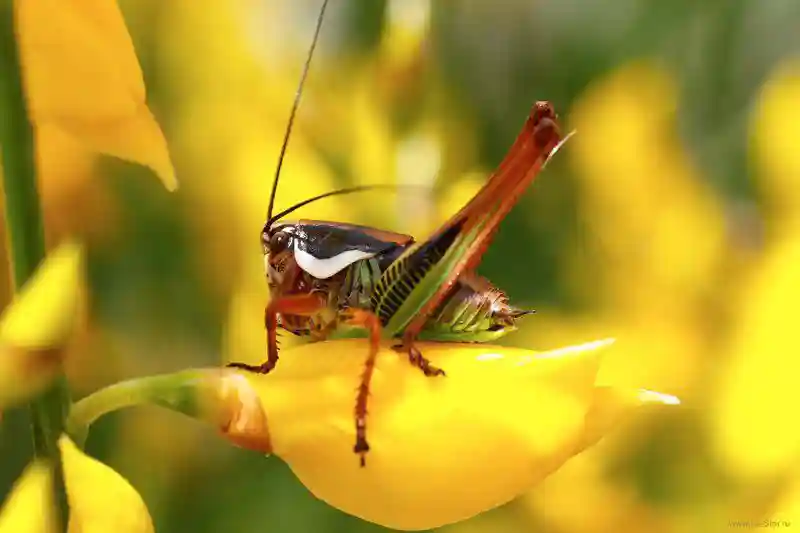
(640, 238)
(758, 388)
(36, 326)
(81, 76)
(774, 130)
(100, 500)
(754, 437)
(442, 450)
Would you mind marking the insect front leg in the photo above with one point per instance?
(368, 320)
(294, 304)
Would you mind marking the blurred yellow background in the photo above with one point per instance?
(670, 221)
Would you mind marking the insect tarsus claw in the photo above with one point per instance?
(241, 366)
(430, 370)
(361, 448)
(264, 368)
(434, 371)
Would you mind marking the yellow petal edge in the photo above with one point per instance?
(82, 75)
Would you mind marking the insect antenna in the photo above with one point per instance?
(338, 192)
(295, 105)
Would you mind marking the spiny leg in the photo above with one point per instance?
(525, 159)
(486, 210)
(416, 358)
(367, 320)
(295, 304)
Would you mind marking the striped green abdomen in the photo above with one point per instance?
(406, 272)
(472, 310)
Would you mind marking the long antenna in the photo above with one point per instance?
(337, 192)
(294, 108)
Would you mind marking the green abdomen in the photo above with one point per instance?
(473, 311)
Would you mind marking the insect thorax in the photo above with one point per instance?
(359, 282)
(350, 287)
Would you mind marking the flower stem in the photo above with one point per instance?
(24, 228)
(220, 397)
(191, 392)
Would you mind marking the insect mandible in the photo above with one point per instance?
(329, 279)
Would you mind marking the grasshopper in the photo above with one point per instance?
(331, 280)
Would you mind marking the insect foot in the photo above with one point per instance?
(264, 368)
(362, 446)
(416, 358)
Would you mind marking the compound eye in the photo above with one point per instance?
(279, 242)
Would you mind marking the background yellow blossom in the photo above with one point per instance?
(670, 222)
(100, 499)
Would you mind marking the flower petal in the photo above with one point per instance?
(499, 422)
(82, 75)
(35, 327)
(43, 314)
(137, 138)
(30, 505)
(759, 385)
(612, 405)
(640, 238)
(442, 449)
(776, 124)
(100, 500)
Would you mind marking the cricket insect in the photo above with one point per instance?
(329, 279)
